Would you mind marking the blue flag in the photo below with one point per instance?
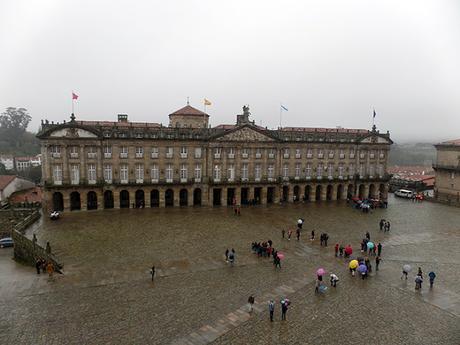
(284, 108)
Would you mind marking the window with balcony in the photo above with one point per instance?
(74, 174)
(258, 153)
(107, 173)
(330, 171)
(319, 171)
(331, 154)
(245, 153)
(244, 172)
(216, 173)
(320, 153)
(271, 172)
(55, 151)
(154, 173)
(139, 152)
(298, 153)
(183, 152)
(124, 152)
(197, 173)
(197, 152)
(183, 173)
(154, 152)
(271, 153)
(124, 173)
(107, 151)
(217, 152)
(231, 172)
(286, 152)
(231, 153)
(371, 154)
(309, 153)
(169, 152)
(371, 170)
(361, 170)
(91, 173)
(352, 153)
(139, 170)
(297, 171)
(169, 173)
(57, 174)
(74, 151)
(382, 154)
(92, 152)
(308, 171)
(351, 170)
(341, 171)
(362, 154)
(258, 172)
(341, 154)
(286, 172)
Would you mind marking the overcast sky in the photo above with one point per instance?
(329, 62)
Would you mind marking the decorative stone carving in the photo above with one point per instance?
(375, 140)
(245, 134)
(72, 133)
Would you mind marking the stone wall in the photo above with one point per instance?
(11, 217)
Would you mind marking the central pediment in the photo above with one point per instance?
(245, 134)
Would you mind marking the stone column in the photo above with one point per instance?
(323, 192)
(291, 193)
(82, 163)
(276, 194)
(176, 191)
(223, 196)
(250, 193)
(263, 195)
(238, 195)
(161, 191)
(116, 199)
(147, 198)
(100, 199)
(83, 199)
(190, 196)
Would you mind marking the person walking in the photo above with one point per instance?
(326, 237)
(377, 262)
(298, 234)
(271, 309)
(251, 301)
(283, 232)
(38, 265)
(336, 249)
(341, 248)
(231, 257)
(418, 282)
(152, 272)
(321, 239)
(368, 235)
(284, 308)
(226, 255)
(382, 222)
(312, 238)
(289, 234)
(50, 269)
(431, 275)
(379, 249)
(420, 273)
(334, 280)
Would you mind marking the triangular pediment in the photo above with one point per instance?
(375, 139)
(72, 132)
(245, 134)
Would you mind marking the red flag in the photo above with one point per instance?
(74, 96)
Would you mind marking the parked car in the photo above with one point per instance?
(404, 193)
(6, 242)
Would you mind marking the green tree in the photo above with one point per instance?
(15, 118)
(14, 138)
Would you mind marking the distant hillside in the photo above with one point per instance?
(412, 154)
(22, 144)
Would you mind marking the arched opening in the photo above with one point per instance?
(169, 197)
(75, 203)
(329, 192)
(91, 201)
(381, 191)
(350, 191)
(183, 197)
(296, 193)
(155, 198)
(231, 196)
(270, 195)
(244, 196)
(139, 196)
(372, 191)
(285, 196)
(339, 192)
(197, 197)
(318, 192)
(108, 199)
(257, 195)
(307, 195)
(361, 191)
(58, 201)
(124, 199)
(216, 196)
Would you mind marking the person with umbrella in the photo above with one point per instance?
(405, 270)
(284, 308)
(348, 251)
(432, 275)
(363, 270)
(418, 282)
(352, 266)
(370, 246)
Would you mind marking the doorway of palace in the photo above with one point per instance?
(244, 195)
(169, 198)
(58, 201)
(216, 196)
(371, 191)
(350, 191)
(230, 196)
(318, 193)
(124, 199)
(183, 197)
(197, 197)
(296, 193)
(91, 201)
(361, 191)
(257, 195)
(285, 196)
(108, 199)
(139, 197)
(307, 195)
(270, 195)
(329, 192)
(339, 192)
(154, 198)
(75, 203)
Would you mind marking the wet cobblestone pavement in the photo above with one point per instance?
(106, 296)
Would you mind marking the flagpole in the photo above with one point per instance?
(281, 114)
(72, 103)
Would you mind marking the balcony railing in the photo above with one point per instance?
(231, 155)
(107, 155)
(56, 154)
(124, 155)
(73, 155)
(271, 155)
(139, 155)
(183, 155)
(92, 155)
(154, 155)
(258, 155)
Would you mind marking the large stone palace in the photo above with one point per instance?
(91, 165)
(447, 168)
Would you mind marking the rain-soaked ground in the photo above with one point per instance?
(106, 296)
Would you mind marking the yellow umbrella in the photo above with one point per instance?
(353, 264)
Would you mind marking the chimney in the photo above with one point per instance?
(122, 117)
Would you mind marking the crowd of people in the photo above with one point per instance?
(41, 265)
(266, 249)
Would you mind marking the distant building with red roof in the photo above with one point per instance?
(10, 184)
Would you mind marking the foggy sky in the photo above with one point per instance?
(329, 62)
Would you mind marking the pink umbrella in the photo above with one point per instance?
(280, 255)
(320, 272)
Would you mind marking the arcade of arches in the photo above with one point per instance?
(215, 195)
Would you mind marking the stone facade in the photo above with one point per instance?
(447, 169)
(96, 165)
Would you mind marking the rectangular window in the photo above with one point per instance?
(74, 174)
(245, 153)
(55, 151)
(139, 152)
(154, 173)
(244, 172)
(319, 170)
(107, 151)
(382, 154)
(320, 153)
(74, 151)
(380, 168)
(352, 153)
(330, 171)
(308, 171)
(91, 173)
(217, 152)
(286, 171)
(92, 152)
(169, 173)
(124, 152)
(371, 170)
(124, 173)
(351, 170)
(198, 173)
(183, 152)
(154, 152)
(362, 154)
(331, 153)
(271, 172)
(231, 172)
(57, 174)
(341, 170)
(183, 173)
(259, 153)
(108, 173)
(361, 170)
(216, 173)
(286, 152)
(169, 152)
(197, 152)
(231, 153)
(309, 153)
(271, 153)
(298, 153)
(297, 171)
(258, 172)
(372, 154)
(139, 173)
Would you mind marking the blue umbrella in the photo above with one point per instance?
(362, 269)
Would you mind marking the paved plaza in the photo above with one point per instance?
(106, 296)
